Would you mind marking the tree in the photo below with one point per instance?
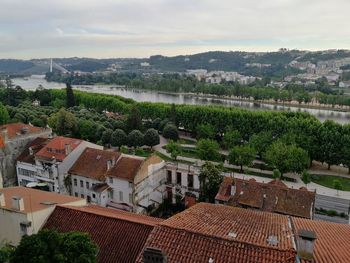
(286, 158)
(87, 129)
(4, 115)
(173, 148)
(43, 95)
(106, 136)
(231, 139)
(337, 184)
(208, 150)
(242, 155)
(70, 99)
(210, 180)
(63, 122)
(119, 138)
(170, 132)
(134, 120)
(151, 138)
(173, 114)
(51, 246)
(6, 252)
(261, 141)
(135, 138)
(205, 131)
(306, 177)
(276, 174)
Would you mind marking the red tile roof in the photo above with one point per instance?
(92, 163)
(271, 197)
(332, 244)
(119, 235)
(225, 234)
(18, 129)
(56, 148)
(126, 168)
(36, 145)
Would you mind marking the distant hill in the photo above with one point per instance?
(264, 64)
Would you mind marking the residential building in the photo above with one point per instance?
(120, 235)
(52, 162)
(117, 180)
(220, 234)
(13, 139)
(88, 175)
(23, 211)
(274, 196)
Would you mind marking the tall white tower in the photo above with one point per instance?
(51, 66)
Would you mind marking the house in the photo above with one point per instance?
(51, 162)
(120, 235)
(23, 211)
(274, 196)
(117, 180)
(13, 139)
(221, 234)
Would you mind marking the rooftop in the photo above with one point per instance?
(14, 130)
(36, 145)
(126, 168)
(225, 234)
(92, 163)
(274, 196)
(57, 148)
(34, 200)
(120, 235)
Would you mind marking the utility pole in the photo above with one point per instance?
(51, 66)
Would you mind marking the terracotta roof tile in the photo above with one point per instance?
(36, 145)
(126, 168)
(92, 163)
(271, 197)
(119, 235)
(225, 234)
(18, 129)
(56, 148)
(332, 244)
(33, 199)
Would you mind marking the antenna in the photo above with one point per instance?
(51, 65)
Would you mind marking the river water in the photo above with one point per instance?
(34, 81)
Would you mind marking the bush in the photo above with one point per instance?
(170, 132)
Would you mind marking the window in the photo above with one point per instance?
(88, 199)
(87, 185)
(130, 198)
(110, 180)
(111, 195)
(121, 196)
(93, 196)
(24, 227)
(190, 180)
(75, 182)
(178, 178)
(81, 183)
(130, 184)
(26, 172)
(168, 177)
(82, 196)
(76, 194)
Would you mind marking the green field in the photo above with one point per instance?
(327, 180)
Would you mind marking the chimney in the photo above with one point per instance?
(154, 255)
(68, 148)
(2, 200)
(305, 244)
(109, 164)
(17, 203)
(31, 151)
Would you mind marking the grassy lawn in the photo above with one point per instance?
(166, 158)
(327, 180)
(186, 141)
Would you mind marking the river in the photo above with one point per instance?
(34, 81)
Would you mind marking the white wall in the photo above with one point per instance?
(119, 185)
(83, 192)
(10, 226)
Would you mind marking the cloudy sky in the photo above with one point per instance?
(140, 28)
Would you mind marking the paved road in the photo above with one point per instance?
(332, 203)
(333, 219)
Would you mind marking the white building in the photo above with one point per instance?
(23, 211)
(51, 162)
(124, 182)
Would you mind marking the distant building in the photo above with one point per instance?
(52, 162)
(13, 139)
(23, 211)
(144, 64)
(274, 196)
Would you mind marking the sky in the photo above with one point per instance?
(140, 28)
